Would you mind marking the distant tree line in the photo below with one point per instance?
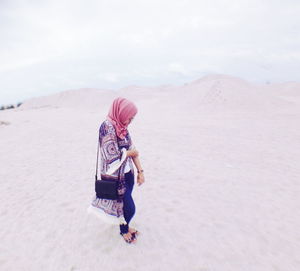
(3, 107)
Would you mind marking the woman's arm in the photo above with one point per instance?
(140, 177)
(137, 163)
(134, 154)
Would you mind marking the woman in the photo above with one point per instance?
(117, 155)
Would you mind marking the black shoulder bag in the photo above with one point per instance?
(106, 188)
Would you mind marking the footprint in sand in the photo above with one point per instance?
(4, 122)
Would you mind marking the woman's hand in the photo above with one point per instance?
(132, 153)
(140, 178)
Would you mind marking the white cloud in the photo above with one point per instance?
(177, 68)
(110, 77)
(145, 41)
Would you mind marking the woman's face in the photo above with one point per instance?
(127, 122)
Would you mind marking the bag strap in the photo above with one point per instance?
(97, 160)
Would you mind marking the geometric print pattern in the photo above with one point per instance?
(110, 149)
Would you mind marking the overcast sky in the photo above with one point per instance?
(50, 46)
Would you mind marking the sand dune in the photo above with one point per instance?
(221, 159)
(221, 91)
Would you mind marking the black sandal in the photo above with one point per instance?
(133, 238)
(136, 233)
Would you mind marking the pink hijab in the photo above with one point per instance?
(120, 111)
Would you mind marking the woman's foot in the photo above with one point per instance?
(129, 237)
(134, 231)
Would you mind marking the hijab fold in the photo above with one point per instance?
(120, 111)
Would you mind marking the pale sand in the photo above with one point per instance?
(221, 159)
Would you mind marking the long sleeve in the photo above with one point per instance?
(112, 156)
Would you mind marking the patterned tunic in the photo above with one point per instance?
(111, 152)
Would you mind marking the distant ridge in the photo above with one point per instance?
(219, 77)
(210, 90)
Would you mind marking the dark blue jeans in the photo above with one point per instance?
(128, 203)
